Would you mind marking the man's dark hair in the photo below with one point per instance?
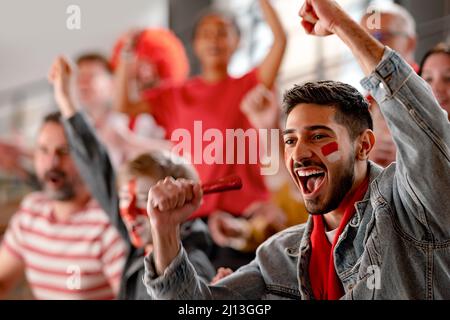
(95, 57)
(54, 117)
(352, 110)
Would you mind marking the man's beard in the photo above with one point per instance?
(338, 191)
(65, 192)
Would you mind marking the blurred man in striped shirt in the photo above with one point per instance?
(59, 237)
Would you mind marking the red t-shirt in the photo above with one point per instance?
(217, 106)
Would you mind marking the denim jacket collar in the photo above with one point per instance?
(343, 262)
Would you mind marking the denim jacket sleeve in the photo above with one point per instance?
(95, 167)
(181, 282)
(421, 132)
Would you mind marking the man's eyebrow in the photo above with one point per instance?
(287, 131)
(310, 128)
(63, 148)
(318, 127)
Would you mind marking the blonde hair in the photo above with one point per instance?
(158, 165)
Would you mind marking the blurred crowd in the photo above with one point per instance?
(84, 231)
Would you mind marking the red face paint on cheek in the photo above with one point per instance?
(329, 148)
(129, 215)
(331, 151)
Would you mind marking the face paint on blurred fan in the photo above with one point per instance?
(136, 219)
(331, 151)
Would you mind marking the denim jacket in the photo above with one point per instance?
(397, 245)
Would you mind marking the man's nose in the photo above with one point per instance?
(213, 35)
(55, 160)
(301, 152)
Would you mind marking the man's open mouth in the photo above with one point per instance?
(55, 177)
(311, 179)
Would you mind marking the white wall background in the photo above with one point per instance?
(33, 32)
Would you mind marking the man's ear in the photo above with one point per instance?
(364, 144)
(412, 44)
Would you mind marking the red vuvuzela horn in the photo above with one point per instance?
(228, 183)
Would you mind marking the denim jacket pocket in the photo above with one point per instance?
(362, 280)
(372, 255)
(350, 277)
(364, 289)
(359, 283)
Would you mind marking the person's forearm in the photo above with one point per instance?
(273, 21)
(121, 96)
(367, 50)
(95, 167)
(67, 107)
(271, 64)
(166, 245)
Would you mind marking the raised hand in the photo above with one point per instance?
(60, 77)
(319, 17)
(261, 108)
(170, 203)
(325, 17)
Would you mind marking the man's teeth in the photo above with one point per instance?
(308, 173)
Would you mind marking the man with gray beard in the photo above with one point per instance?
(59, 237)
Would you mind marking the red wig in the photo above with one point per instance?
(163, 49)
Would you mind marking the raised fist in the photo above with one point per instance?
(319, 17)
(171, 202)
(261, 108)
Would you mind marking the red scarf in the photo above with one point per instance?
(325, 283)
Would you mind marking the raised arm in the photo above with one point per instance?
(89, 154)
(421, 132)
(326, 17)
(268, 69)
(420, 128)
(127, 98)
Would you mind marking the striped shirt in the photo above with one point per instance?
(81, 258)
